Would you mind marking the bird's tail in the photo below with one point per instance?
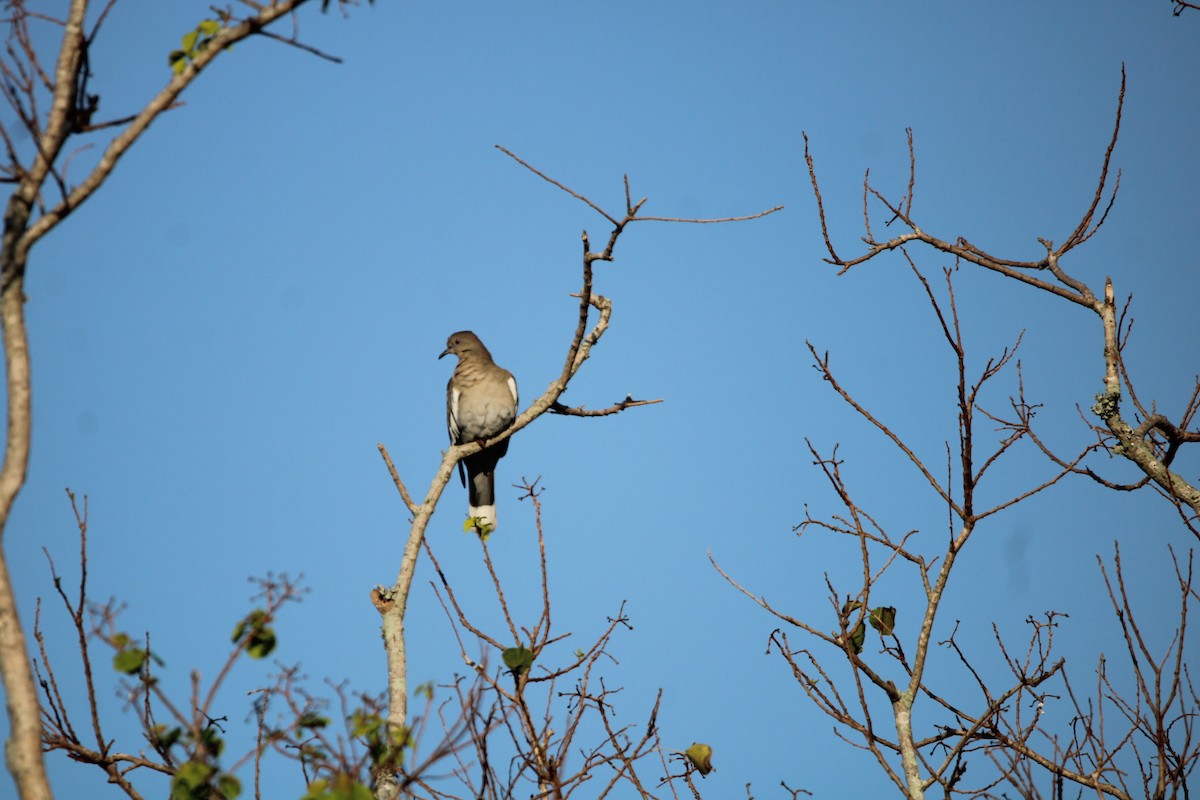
(482, 500)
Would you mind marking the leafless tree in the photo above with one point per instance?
(1149, 439)
(932, 730)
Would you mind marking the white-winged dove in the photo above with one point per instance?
(481, 401)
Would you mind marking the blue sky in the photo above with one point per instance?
(257, 297)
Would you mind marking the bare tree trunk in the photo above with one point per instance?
(23, 752)
(22, 228)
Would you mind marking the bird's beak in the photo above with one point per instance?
(445, 352)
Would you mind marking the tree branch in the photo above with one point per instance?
(391, 602)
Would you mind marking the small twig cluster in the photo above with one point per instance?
(338, 739)
(544, 700)
(185, 739)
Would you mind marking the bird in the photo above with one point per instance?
(481, 401)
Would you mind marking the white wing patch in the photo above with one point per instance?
(452, 416)
(512, 387)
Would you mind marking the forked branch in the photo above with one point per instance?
(391, 602)
(1148, 439)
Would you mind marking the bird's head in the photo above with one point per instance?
(463, 343)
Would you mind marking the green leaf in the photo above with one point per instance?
(261, 643)
(356, 791)
(883, 619)
(401, 736)
(313, 721)
(229, 786)
(212, 741)
(364, 725)
(193, 42)
(385, 743)
(701, 757)
(317, 790)
(477, 526)
(858, 638)
(165, 737)
(251, 621)
(340, 787)
(424, 690)
(253, 632)
(191, 781)
(518, 660)
(129, 660)
(311, 752)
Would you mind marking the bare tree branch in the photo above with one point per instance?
(23, 81)
(391, 602)
(1134, 441)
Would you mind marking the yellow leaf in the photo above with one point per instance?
(701, 757)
